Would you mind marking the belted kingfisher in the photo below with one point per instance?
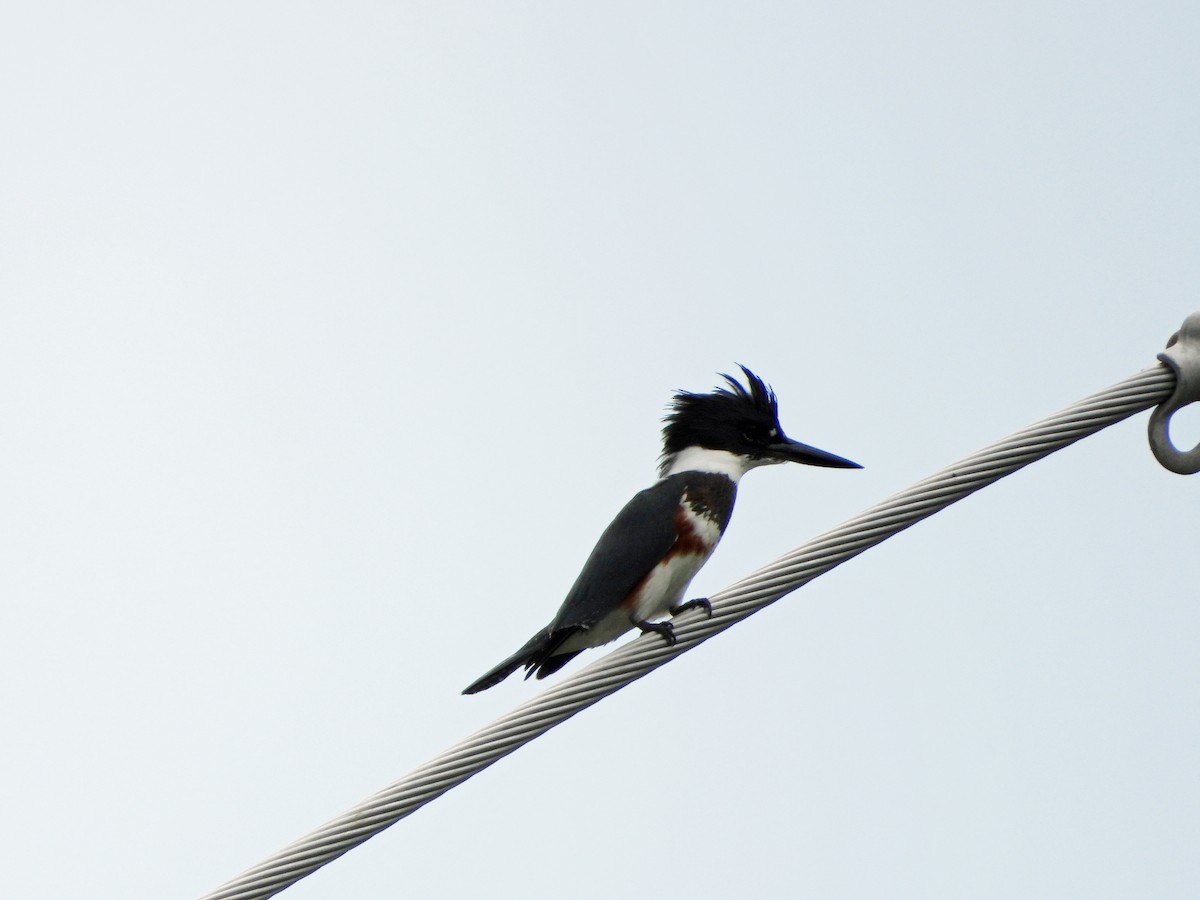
(646, 558)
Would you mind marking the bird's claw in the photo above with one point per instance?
(666, 629)
(698, 603)
(663, 628)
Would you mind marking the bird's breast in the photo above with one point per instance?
(697, 532)
(697, 535)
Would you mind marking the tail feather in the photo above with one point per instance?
(551, 665)
(537, 656)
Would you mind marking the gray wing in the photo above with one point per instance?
(636, 541)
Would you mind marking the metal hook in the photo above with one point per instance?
(1183, 356)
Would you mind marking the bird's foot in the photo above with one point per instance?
(698, 603)
(663, 628)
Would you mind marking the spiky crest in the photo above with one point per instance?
(737, 418)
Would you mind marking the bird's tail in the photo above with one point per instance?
(537, 656)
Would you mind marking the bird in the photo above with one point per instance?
(644, 561)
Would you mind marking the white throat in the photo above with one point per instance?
(718, 462)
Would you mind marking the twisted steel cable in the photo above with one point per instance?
(633, 660)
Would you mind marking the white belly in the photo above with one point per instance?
(665, 586)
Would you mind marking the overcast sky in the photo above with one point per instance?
(333, 335)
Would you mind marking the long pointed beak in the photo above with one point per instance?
(794, 451)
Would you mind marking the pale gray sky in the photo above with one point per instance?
(332, 335)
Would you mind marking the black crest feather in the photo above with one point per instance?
(721, 415)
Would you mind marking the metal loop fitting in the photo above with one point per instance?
(1183, 356)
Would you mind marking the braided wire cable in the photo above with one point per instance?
(641, 656)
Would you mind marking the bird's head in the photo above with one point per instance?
(735, 427)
